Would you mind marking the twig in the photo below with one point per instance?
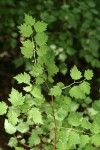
(55, 128)
(34, 51)
(73, 84)
(47, 85)
(72, 129)
(24, 144)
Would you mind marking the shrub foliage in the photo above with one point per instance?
(48, 115)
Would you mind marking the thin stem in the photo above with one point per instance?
(55, 128)
(72, 129)
(24, 144)
(47, 85)
(75, 82)
(27, 146)
(34, 51)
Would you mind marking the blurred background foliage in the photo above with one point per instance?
(73, 28)
(74, 35)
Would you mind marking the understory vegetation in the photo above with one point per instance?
(50, 75)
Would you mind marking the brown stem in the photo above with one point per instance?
(24, 144)
(55, 128)
(75, 82)
(54, 123)
(34, 51)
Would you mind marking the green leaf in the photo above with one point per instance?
(88, 100)
(19, 148)
(26, 53)
(29, 20)
(76, 92)
(73, 139)
(97, 117)
(73, 106)
(60, 84)
(3, 108)
(39, 80)
(84, 139)
(23, 127)
(13, 142)
(23, 78)
(9, 127)
(28, 88)
(16, 98)
(75, 73)
(67, 100)
(88, 74)
(60, 114)
(40, 26)
(34, 139)
(95, 139)
(89, 147)
(42, 50)
(52, 69)
(36, 92)
(41, 39)
(55, 91)
(36, 116)
(27, 49)
(15, 109)
(28, 44)
(85, 123)
(96, 105)
(37, 70)
(62, 139)
(12, 117)
(85, 87)
(95, 128)
(25, 30)
(74, 118)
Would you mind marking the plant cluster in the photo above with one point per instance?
(48, 115)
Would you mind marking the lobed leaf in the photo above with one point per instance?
(75, 73)
(34, 139)
(12, 142)
(36, 116)
(29, 20)
(9, 127)
(19, 148)
(41, 39)
(16, 98)
(88, 74)
(76, 92)
(55, 91)
(40, 26)
(23, 78)
(12, 117)
(3, 108)
(85, 87)
(25, 30)
(84, 139)
(74, 118)
(23, 127)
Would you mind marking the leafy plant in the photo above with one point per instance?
(48, 115)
